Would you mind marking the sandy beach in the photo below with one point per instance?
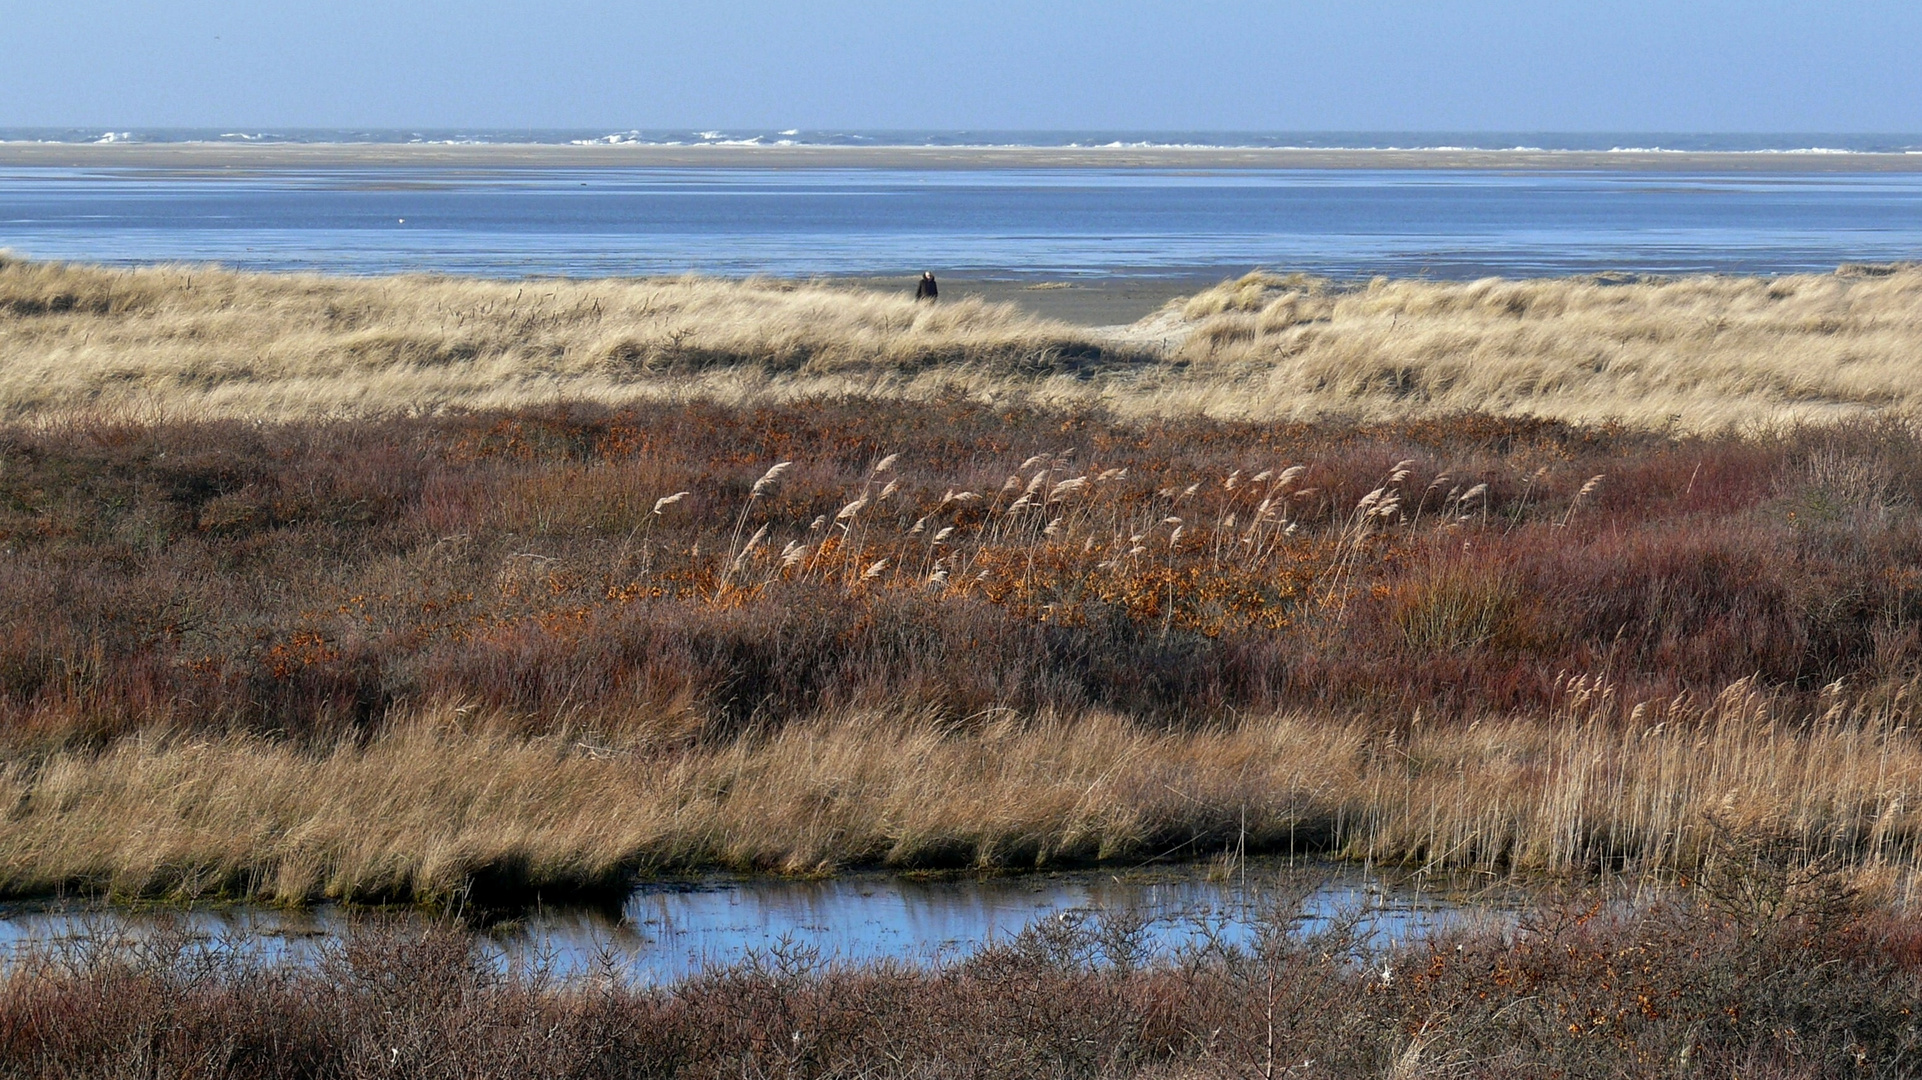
(338, 155)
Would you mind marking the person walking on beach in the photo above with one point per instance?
(927, 289)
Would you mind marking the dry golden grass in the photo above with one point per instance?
(1701, 352)
(443, 800)
(184, 341)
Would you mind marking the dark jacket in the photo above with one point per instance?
(926, 290)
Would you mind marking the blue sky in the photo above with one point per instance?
(1487, 65)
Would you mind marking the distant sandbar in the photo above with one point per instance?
(469, 155)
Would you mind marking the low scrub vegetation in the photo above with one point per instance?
(538, 651)
(721, 571)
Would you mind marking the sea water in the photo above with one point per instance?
(1042, 223)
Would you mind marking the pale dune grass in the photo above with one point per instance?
(443, 798)
(1699, 352)
(192, 342)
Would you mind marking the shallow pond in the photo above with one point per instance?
(670, 929)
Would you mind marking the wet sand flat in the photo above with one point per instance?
(197, 156)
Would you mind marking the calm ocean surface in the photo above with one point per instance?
(1038, 223)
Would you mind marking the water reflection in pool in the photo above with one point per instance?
(669, 929)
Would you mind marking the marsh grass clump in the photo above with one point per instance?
(1454, 612)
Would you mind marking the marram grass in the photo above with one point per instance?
(1699, 352)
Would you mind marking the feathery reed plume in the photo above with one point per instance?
(1067, 487)
(747, 549)
(1594, 484)
(769, 479)
(736, 553)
